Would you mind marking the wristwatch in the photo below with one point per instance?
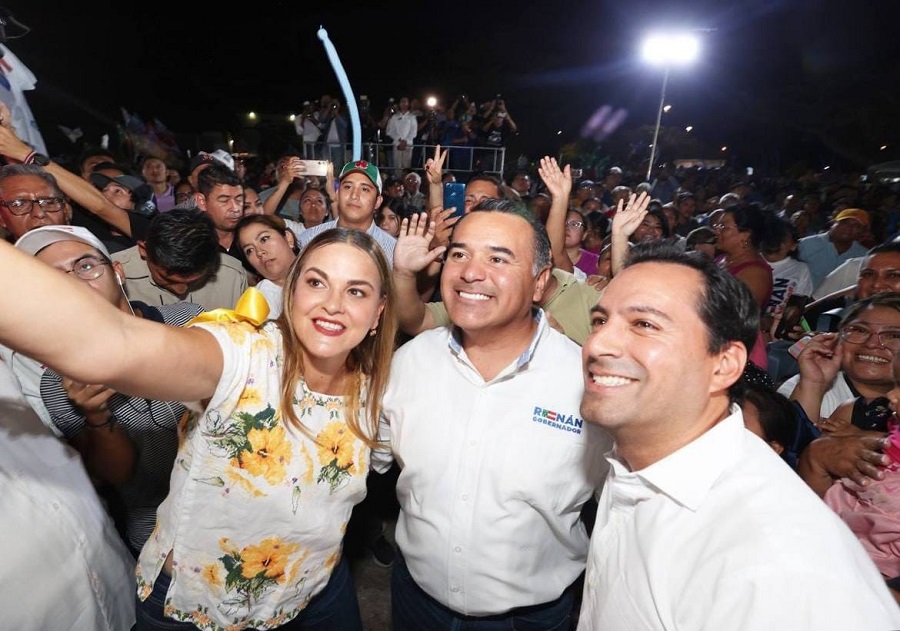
(39, 159)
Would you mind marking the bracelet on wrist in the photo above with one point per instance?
(110, 420)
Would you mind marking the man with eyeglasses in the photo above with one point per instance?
(30, 198)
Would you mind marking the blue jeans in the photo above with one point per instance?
(335, 608)
(414, 610)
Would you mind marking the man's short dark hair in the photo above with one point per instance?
(216, 175)
(888, 246)
(484, 177)
(726, 307)
(542, 257)
(183, 241)
(10, 170)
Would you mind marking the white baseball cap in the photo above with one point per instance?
(37, 239)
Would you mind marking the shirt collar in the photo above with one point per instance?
(454, 341)
(687, 475)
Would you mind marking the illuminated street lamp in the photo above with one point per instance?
(667, 50)
(689, 128)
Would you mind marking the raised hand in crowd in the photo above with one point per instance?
(434, 173)
(413, 253)
(819, 363)
(559, 185)
(626, 220)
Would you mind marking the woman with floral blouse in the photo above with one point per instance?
(271, 465)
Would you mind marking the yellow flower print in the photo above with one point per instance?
(199, 619)
(335, 442)
(308, 476)
(226, 546)
(238, 331)
(332, 559)
(211, 575)
(270, 453)
(250, 398)
(263, 344)
(236, 477)
(296, 566)
(269, 558)
(305, 404)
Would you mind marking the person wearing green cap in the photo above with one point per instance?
(358, 196)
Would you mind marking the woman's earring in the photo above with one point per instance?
(372, 332)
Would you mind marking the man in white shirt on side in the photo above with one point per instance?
(64, 566)
(700, 524)
(495, 462)
(402, 127)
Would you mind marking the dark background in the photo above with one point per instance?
(778, 81)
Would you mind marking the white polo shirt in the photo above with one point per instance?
(493, 474)
(722, 534)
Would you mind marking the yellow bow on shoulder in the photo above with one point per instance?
(251, 307)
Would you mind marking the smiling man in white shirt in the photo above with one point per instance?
(700, 524)
(496, 463)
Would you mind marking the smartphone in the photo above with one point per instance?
(455, 197)
(315, 167)
(792, 314)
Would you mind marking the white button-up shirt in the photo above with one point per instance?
(722, 534)
(64, 566)
(493, 474)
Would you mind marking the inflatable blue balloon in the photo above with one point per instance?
(348, 93)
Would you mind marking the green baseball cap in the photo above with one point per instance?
(366, 168)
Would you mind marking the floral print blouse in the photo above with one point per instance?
(257, 510)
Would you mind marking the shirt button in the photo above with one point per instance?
(457, 549)
(454, 589)
(465, 496)
(472, 442)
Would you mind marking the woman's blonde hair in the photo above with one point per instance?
(369, 362)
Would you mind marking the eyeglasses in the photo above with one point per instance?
(719, 227)
(855, 334)
(25, 206)
(88, 268)
(574, 225)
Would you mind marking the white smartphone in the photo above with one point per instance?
(315, 167)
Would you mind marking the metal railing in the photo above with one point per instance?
(460, 160)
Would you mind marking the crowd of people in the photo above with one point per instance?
(599, 407)
(471, 131)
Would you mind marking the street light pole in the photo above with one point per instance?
(665, 50)
(662, 101)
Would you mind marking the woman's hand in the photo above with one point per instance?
(820, 361)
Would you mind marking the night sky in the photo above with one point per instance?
(765, 67)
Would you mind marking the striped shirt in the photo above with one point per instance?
(151, 425)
